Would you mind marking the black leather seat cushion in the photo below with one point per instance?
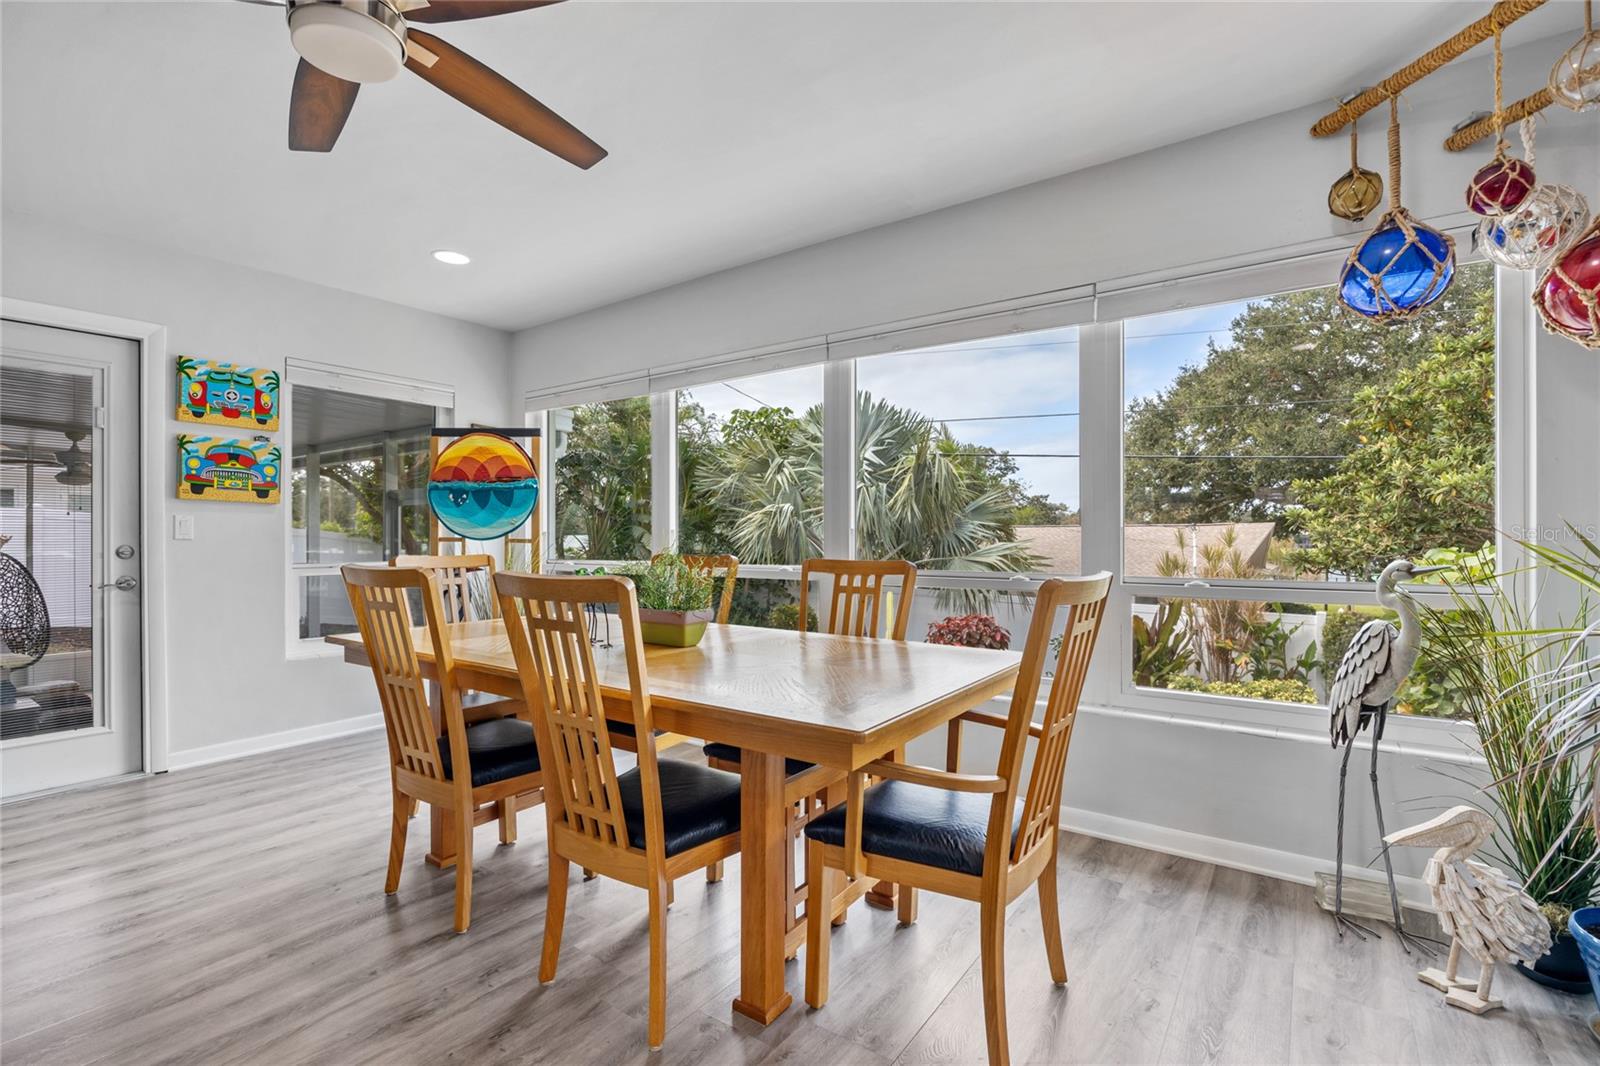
(498, 749)
(917, 823)
(729, 753)
(698, 804)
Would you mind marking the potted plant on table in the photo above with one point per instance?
(674, 600)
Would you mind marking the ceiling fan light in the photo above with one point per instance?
(359, 42)
(446, 256)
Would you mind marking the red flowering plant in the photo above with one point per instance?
(970, 631)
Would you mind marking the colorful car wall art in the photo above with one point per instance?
(224, 394)
(233, 471)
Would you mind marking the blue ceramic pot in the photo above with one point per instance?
(1588, 944)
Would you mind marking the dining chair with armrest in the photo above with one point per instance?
(477, 772)
(646, 827)
(968, 835)
(856, 608)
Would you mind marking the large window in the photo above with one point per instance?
(750, 467)
(1246, 468)
(358, 493)
(967, 455)
(601, 455)
(1282, 441)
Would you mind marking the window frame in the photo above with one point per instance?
(300, 373)
(1099, 312)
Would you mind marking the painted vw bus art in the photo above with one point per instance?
(234, 471)
(225, 394)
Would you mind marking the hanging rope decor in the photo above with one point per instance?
(1357, 191)
(1531, 236)
(1402, 266)
(1568, 295)
(1575, 79)
(1504, 182)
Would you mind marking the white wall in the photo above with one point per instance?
(221, 311)
(1245, 194)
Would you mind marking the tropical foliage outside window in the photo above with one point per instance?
(1284, 440)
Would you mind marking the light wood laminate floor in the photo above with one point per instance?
(235, 913)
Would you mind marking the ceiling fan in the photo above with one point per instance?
(343, 43)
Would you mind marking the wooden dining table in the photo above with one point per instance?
(839, 702)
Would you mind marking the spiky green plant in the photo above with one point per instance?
(1503, 669)
(667, 583)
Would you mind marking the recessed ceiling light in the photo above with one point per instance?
(455, 259)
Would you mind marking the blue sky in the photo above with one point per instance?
(1017, 393)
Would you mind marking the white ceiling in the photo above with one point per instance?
(736, 131)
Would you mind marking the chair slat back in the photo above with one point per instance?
(544, 616)
(380, 599)
(458, 579)
(1085, 601)
(856, 599)
(723, 566)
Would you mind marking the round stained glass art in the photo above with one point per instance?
(483, 486)
(1391, 273)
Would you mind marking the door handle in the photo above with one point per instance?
(125, 583)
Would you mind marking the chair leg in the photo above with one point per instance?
(993, 956)
(714, 872)
(819, 901)
(555, 914)
(1050, 913)
(411, 808)
(508, 820)
(658, 964)
(907, 904)
(463, 815)
(588, 874)
(397, 840)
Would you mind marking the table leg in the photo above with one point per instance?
(881, 894)
(763, 893)
(441, 827)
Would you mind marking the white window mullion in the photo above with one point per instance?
(663, 471)
(1100, 486)
(838, 459)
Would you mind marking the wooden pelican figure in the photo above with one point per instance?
(1485, 911)
(1372, 670)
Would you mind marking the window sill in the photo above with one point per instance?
(311, 649)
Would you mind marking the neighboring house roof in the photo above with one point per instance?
(1061, 547)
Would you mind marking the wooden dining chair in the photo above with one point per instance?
(724, 566)
(646, 827)
(476, 772)
(458, 576)
(967, 835)
(856, 608)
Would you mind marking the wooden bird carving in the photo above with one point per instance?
(1486, 912)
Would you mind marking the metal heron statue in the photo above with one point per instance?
(1372, 670)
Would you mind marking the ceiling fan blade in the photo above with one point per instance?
(446, 67)
(458, 10)
(318, 107)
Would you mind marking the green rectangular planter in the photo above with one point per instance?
(674, 629)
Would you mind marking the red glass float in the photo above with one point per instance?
(1568, 296)
(1500, 185)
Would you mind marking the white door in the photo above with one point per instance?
(71, 707)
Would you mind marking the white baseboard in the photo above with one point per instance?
(289, 738)
(1252, 858)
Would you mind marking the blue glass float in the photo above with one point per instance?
(1401, 267)
(482, 486)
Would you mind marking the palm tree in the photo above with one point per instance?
(920, 495)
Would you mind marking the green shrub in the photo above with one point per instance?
(787, 616)
(1278, 690)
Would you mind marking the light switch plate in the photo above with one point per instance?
(183, 527)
